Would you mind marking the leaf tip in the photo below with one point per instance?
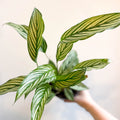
(8, 23)
(36, 10)
(16, 97)
(15, 100)
(107, 61)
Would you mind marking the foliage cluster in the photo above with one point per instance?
(48, 80)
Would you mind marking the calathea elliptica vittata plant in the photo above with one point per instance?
(47, 80)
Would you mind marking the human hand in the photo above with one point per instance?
(83, 98)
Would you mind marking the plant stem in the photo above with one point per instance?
(37, 64)
(57, 64)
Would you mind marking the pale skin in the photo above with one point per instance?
(85, 100)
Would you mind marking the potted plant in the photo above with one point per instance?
(48, 80)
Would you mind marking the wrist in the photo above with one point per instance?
(89, 105)
(97, 112)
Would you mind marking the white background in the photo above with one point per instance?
(59, 15)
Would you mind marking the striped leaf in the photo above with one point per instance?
(79, 87)
(55, 71)
(73, 78)
(91, 26)
(11, 85)
(69, 63)
(35, 31)
(92, 64)
(43, 74)
(21, 29)
(39, 100)
(43, 47)
(62, 50)
(50, 97)
(69, 94)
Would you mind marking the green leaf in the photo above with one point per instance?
(41, 75)
(79, 87)
(39, 100)
(62, 50)
(35, 31)
(54, 66)
(43, 47)
(69, 63)
(73, 78)
(91, 26)
(92, 64)
(21, 29)
(51, 63)
(50, 97)
(69, 94)
(84, 30)
(11, 85)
